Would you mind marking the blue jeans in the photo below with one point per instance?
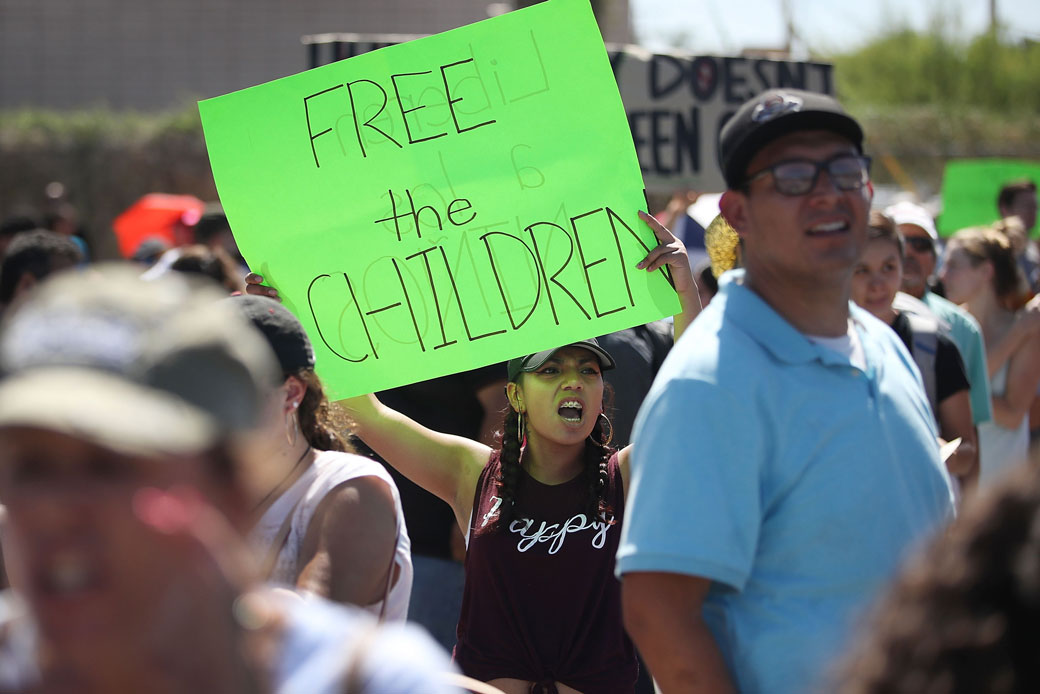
(436, 597)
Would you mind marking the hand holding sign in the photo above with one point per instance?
(672, 252)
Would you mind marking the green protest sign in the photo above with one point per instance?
(445, 203)
(970, 188)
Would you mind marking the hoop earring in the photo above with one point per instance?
(521, 435)
(610, 431)
(292, 425)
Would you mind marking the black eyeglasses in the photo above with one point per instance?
(919, 243)
(799, 176)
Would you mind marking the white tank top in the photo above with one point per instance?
(1000, 448)
(330, 470)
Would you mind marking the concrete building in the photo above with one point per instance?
(156, 54)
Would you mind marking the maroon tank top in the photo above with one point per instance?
(541, 602)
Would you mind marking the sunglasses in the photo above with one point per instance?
(799, 176)
(921, 244)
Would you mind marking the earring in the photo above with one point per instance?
(610, 431)
(292, 425)
(521, 435)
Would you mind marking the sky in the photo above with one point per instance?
(726, 27)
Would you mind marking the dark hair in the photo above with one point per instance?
(706, 278)
(964, 617)
(983, 244)
(214, 263)
(597, 453)
(321, 421)
(15, 224)
(212, 222)
(882, 227)
(35, 252)
(1007, 193)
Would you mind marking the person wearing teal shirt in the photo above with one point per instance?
(918, 230)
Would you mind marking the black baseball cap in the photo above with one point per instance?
(532, 362)
(773, 114)
(283, 330)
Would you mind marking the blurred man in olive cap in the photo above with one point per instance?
(126, 417)
(752, 534)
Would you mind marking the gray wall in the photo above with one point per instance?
(154, 54)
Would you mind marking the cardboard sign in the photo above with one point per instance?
(970, 188)
(446, 203)
(677, 105)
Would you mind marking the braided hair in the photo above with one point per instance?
(595, 471)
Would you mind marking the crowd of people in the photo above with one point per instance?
(824, 485)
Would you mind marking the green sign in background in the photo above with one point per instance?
(446, 203)
(970, 188)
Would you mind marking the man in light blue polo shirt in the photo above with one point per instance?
(807, 464)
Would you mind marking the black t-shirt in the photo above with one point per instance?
(950, 375)
(638, 352)
(449, 405)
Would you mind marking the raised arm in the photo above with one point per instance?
(671, 251)
(446, 466)
(1026, 325)
(1022, 379)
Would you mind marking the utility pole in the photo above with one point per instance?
(789, 33)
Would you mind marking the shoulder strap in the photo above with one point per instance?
(390, 571)
(926, 345)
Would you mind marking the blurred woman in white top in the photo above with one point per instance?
(329, 522)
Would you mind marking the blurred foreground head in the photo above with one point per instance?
(139, 367)
(964, 616)
(116, 391)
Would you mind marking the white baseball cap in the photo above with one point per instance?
(906, 212)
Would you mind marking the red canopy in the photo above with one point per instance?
(156, 215)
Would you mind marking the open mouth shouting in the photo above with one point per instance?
(571, 411)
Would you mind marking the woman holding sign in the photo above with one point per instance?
(541, 514)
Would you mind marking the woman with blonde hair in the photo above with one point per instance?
(981, 274)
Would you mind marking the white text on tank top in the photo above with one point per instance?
(554, 533)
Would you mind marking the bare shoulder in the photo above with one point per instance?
(363, 498)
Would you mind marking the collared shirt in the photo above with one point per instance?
(967, 335)
(792, 479)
